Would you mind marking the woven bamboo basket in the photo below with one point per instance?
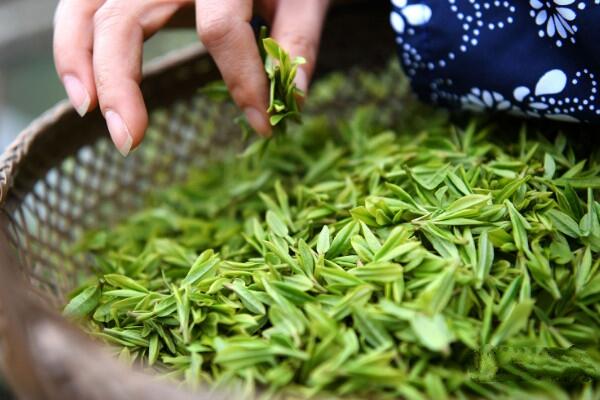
(62, 176)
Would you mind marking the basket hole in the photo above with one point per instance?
(86, 155)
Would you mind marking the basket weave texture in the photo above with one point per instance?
(62, 177)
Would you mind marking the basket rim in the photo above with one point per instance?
(12, 157)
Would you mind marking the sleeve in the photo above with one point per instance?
(528, 58)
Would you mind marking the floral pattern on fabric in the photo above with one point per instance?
(556, 18)
(533, 58)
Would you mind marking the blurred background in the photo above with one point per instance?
(28, 81)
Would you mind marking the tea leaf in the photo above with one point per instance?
(582, 273)
(84, 303)
(276, 224)
(564, 223)
(437, 294)
(549, 166)
(202, 267)
(371, 329)
(392, 246)
(378, 271)
(519, 227)
(485, 258)
(124, 282)
(432, 332)
(323, 240)
(250, 301)
(516, 320)
(341, 241)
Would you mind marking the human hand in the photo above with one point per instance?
(98, 52)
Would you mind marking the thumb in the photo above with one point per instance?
(297, 27)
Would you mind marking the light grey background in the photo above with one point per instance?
(28, 81)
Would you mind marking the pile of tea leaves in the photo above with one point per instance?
(391, 254)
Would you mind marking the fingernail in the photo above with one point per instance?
(301, 80)
(258, 121)
(78, 95)
(118, 132)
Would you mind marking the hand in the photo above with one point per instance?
(98, 52)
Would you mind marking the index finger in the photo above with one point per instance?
(224, 28)
(73, 38)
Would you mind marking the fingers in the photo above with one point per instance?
(118, 38)
(224, 28)
(73, 38)
(297, 27)
(97, 51)
(119, 31)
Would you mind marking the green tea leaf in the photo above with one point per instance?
(371, 329)
(432, 332)
(124, 282)
(485, 258)
(583, 268)
(341, 241)
(276, 224)
(250, 301)
(564, 223)
(392, 246)
(430, 177)
(549, 166)
(435, 297)
(201, 268)
(519, 227)
(323, 240)
(83, 303)
(378, 271)
(516, 320)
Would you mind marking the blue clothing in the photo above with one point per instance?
(538, 58)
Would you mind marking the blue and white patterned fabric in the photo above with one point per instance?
(537, 58)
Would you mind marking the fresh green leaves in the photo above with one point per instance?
(362, 258)
(281, 71)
